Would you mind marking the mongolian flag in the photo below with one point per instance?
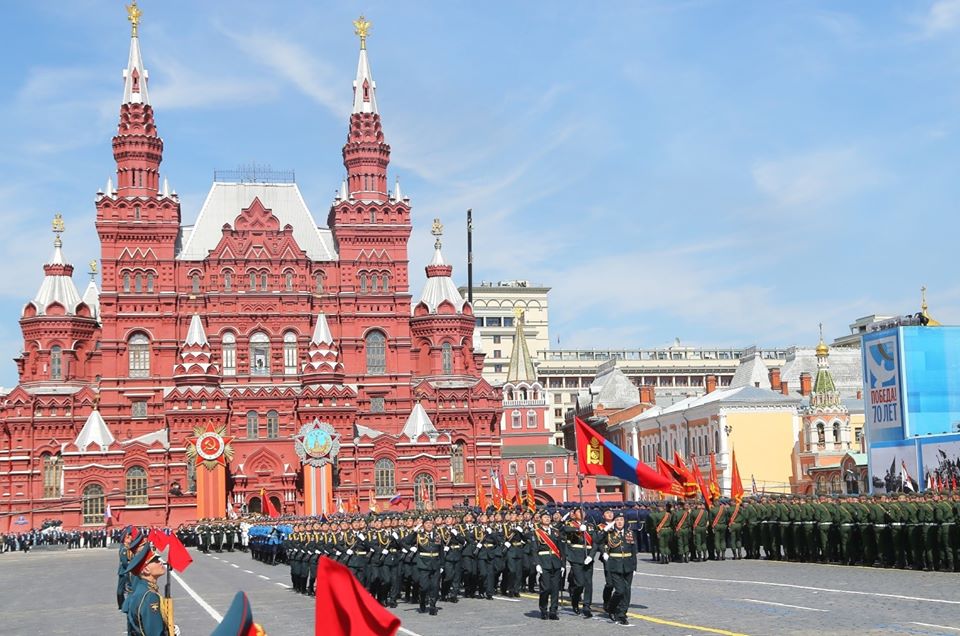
(669, 472)
(736, 486)
(481, 496)
(701, 484)
(714, 482)
(598, 456)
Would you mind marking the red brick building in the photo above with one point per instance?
(255, 319)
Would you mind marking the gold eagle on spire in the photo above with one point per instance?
(361, 27)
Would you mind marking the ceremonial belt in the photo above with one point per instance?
(544, 552)
(545, 538)
(489, 545)
(682, 519)
(577, 545)
(429, 554)
(663, 522)
(621, 554)
(719, 514)
(359, 554)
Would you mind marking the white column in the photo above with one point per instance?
(726, 478)
(636, 454)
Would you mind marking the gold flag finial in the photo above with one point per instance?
(361, 26)
(133, 14)
(93, 266)
(438, 232)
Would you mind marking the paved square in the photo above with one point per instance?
(73, 593)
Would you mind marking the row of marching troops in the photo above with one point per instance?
(219, 535)
(919, 531)
(141, 564)
(431, 557)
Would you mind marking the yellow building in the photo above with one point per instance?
(760, 424)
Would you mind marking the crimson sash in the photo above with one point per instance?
(543, 537)
(682, 519)
(696, 522)
(736, 510)
(663, 522)
(719, 514)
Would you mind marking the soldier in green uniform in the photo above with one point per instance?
(451, 533)
(653, 518)
(550, 564)
(699, 531)
(735, 528)
(928, 530)
(425, 544)
(620, 553)
(144, 617)
(580, 552)
(718, 528)
(943, 517)
(664, 535)
(681, 526)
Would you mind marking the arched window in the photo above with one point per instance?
(138, 350)
(191, 477)
(446, 354)
(149, 282)
(259, 354)
(835, 488)
(424, 490)
(456, 463)
(93, 504)
(716, 441)
(290, 353)
(548, 467)
(515, 419)
(136, 487)
(253, 281)
(531, 468)
(229, 353)
(376, 350)
(52, 476)
(373, 213)
(374, 283)
(253, 425)
(273, 424)
(821, 487)
(836, 432)
(384, 477)
(386, 283)
(138, 283)
(318, 283)
(288, 281)
(512, 468)
(531, 419)
(363, 283)
(821, 436)
(195, 283)
(228, 281)
(263, 281)
(255, 506)
(56, 362)
(126, 282)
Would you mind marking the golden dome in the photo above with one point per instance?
(823, 350)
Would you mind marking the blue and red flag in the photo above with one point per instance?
(598, 456)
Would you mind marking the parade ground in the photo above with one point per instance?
(72, 592)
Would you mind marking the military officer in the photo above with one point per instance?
(580, 552)
(425, 544)
(620, 553)
(144, 613)
(550, 562)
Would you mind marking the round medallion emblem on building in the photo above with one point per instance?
(317, 443)
(209, 446)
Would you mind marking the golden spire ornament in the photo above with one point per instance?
(437, 231)
(133, 14)
(361, 26)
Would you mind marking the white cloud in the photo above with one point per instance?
(186, 87)
(814, 178)
(942, 17)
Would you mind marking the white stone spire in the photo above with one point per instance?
(364, 88)
(195, 334)
(135, 75)
(91, 298)
(94, 431)
(57, 286)
(440, 286)
(419, 423)
(322, 356)
(397, 195)
(321, 333)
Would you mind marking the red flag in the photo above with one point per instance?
(689, 485)
(495, 491)
(714, 482)
(178, 557)
(517, 495)
(698, 479)
(345, 608)
(736, 486)
(502, 482)
(531, 501)
(669, 471)
(268, 505)
(481, 496)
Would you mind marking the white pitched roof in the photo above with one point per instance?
(150, 439)
(418, 423)
(196, 335)
(94, 431)
(57, 288)
(91, 298)
(224, 203)
(135, 63)
(441, 288)
(752, 370)
(360, 105)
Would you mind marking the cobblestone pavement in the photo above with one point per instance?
(72, 592)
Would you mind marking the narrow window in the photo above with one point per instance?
(263, 281)
(126, 282)
(195, 284)
(273, 424)
(149, 282)
(253, 424)
(229, 353)
(288, 281)
(228, 281)
(290, 353)
(56, 362)
(446, 353)
(376, 351)
(138, 283)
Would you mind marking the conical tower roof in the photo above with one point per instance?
(94, 431)
(57, 286)
(521, 368)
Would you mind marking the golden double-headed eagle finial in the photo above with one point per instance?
(133, 14)
(58, 226)
(361, 26)
(437, 231)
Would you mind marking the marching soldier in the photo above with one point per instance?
(620, 554)
(550, 560)
(718, 528)
(453, 543)
(699, 531)
(425, 544)
(579, 554)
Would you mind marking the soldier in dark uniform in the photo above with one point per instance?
(424, 543)
(515, 548)
(473, 535)
(487, 557)
(550, 561)
(144, 617)
(620, 553)
(580, 553)
(453, 542)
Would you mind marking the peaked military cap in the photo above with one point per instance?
(238, 621)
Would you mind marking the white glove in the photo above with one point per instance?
(339, 552)
(454, 531)
(395, 536)
(605, 556)
(405, 550)
(539, 570)
(518, 528)
(609, 526)
(413, 549)
(489, 530)
(506, 544)
(316, 551)
(176, 630)
(417, 527)
(385, 551)
(362, 536)
(349, 552)
(446, 548)
(583, 528)
(441, 571)
(588, 560)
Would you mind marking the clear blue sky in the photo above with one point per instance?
(724, 172)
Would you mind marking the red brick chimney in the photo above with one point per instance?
(711, 383)
(806, 383)
(775, 378)
(785, 387)
(859, 394)
(647, 395)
